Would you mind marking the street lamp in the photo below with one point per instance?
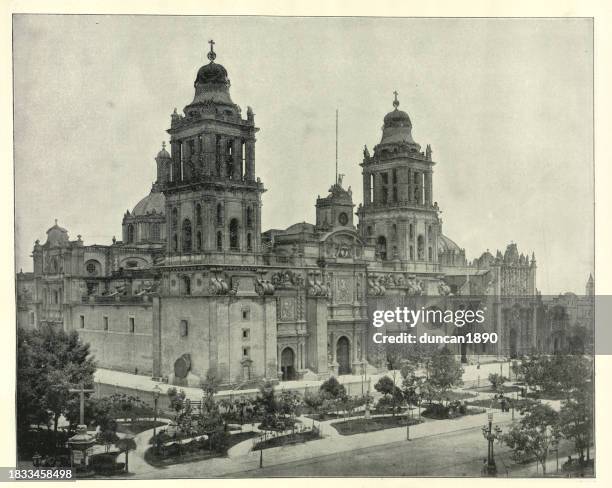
(555, 443)
(487, 431)
(156, 393)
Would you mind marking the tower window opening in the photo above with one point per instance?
(132, 325)
(130, 233)
(369, 230)
(155, 232)
(186, 285)
(394, 176)
(186, 237)
(218, 156)
(411, 253)
(249, 217)
(184, 328)
(411, 231)
(395, 197)
(385, 194)
(249, 242)
(371, 189)
(430, 253)
(175, 243)
(243, 152)
(199, 241)
(174, 218)
(180, 161)
(219, 214)
(233, 233)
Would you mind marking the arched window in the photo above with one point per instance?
(155, 232)
(219, 241)
(430, 253)
(186, 236)
(249, 243)
(411, 231)
(198, 214)
(130, 233)
(429, 233)
(249, 217)
(175, 243)
(420, 248)
(411, 253)
(199, 241)
(219, 214)
(394, 230)
(233, 233)
(382, 247)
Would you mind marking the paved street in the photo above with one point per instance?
(454, 454)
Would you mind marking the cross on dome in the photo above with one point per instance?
(212, 55)
(396, 101)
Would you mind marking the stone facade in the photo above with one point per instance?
(194, 285)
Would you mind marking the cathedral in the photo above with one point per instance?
(194, 285)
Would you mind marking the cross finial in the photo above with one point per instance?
(55, 221)
(163, 144)
(212, 55)
(396, 101)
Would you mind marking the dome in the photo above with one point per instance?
(211, 73)
(153, 202)
(397, 127)
(445, 244)
(212, 84)
(57, 236)
(397, 118)
(163, 154)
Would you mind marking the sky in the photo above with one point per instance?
(506, 104)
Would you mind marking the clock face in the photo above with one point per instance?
(343, 219)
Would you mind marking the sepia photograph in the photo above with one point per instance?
(286, 247)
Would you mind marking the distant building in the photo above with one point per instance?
(195, 285)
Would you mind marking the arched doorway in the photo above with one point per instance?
(343, 355)
(288, 364)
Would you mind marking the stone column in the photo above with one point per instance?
(209, 154)
(238, 170)
(367, 188)
(250, 159)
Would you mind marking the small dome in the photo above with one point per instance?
(57, 236)
(445, 244)
(163, 154)
(397, 118)
(153, 202)
(485, 259)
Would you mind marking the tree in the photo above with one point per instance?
(533, 436)
(444, 373)
(125, 445)
(576, 419)
(50, 361)
(332, 388)
(391, 393)
(497, 381)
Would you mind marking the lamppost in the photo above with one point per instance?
(156, 393)
(487, 431)
(555, 443)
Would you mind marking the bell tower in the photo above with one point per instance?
(398, 214)
(213, 199)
